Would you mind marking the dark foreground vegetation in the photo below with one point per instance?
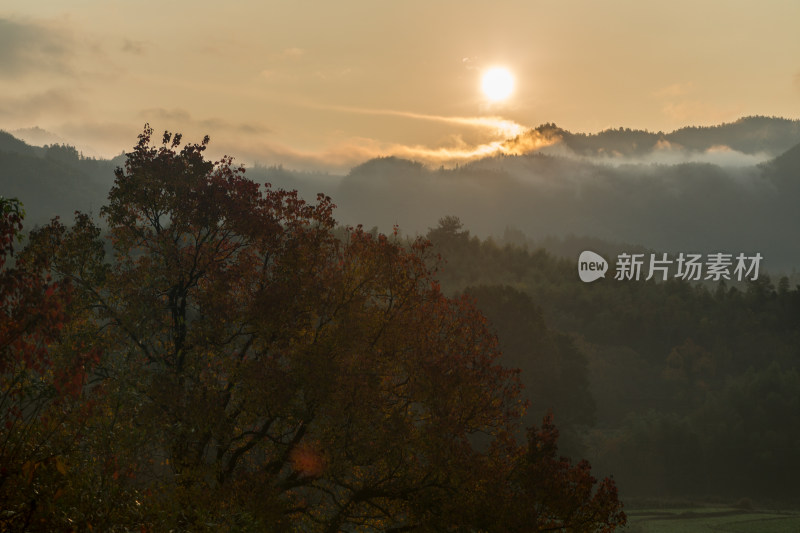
(227, 361)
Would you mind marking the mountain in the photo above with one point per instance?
(754, 135)
(690, 202)
(52, 180)
(785, 169)
(10, 144)
(37, 136)
(750, 135)
(696, 207)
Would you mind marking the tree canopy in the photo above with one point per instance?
(253, 369)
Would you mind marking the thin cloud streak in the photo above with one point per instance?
(519, 145)
(510, 137)
(506, 128)
(344, 155)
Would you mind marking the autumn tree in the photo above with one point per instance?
(533, 488)
(263, 372)
(42, 379)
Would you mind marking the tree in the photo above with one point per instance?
(41, 384)
(542, 491)
(261, 372)
(449, 234)
(692, 368)
(553, 370)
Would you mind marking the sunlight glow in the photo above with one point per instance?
(497, 84)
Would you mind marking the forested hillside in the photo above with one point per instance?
(235, 363)
(680, 390)
(53, 180)
(677, 389)
(732, 187)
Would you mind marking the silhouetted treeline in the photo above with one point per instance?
(749, 135)
(52, 180)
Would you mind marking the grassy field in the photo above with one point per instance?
(711, 520)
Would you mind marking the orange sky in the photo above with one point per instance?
(330, 84)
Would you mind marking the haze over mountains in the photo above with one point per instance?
(731, 188)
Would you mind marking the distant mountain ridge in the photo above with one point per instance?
(671, 204)
(748, 135)
(37, 136)
(52, 180)
(668, 204)
(10, 144)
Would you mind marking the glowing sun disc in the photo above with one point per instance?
(497, 84)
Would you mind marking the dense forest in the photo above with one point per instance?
(194, 352)
(680, 390)
(237, 363)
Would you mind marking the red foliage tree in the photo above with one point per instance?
(40, 387)
(265, 370)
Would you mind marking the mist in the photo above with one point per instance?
(697, 197)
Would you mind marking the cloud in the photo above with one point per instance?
(530, 141)
(496, 126)
(37, 136)
(695, 111)
(32, 106)
(725, 156)
(469, 62)
(505, 137)
(278, 62)
(245, 140)
(292, 52)
(501, 137)
(27, 48)
(463, 152)
(99, 139)
(289, 53)
(675, 90)
(134, 47)
(181, 120)
(683, 104)
(348, 153)
(337, 158)
(332, 74)
(665, 152)
(108, 139)
(664, 145)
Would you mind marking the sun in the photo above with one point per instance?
(497, 84)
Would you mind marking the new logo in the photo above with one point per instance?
(591, 266)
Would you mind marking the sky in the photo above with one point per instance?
(328, 85)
